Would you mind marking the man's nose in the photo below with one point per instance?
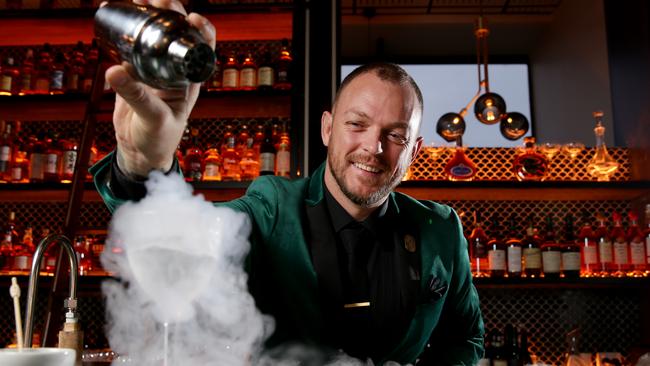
(373, 144)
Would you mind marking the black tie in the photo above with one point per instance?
(357, 243)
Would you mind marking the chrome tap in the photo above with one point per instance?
(70, 303)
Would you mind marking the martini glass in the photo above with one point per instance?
(573, 149)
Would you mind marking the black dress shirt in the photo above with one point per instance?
(367, 331)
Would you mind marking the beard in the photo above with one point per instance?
(337, 169)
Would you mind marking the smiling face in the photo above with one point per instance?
(371, 140)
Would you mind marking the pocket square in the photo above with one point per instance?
(436, 289)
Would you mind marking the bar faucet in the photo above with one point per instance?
(69, 303)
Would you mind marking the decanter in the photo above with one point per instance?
(460, 167)
(601, 166)
(530, 165)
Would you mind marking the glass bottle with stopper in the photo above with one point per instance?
(530, 165)
(601, 166)
(460, 167)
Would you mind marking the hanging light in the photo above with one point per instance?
(489, 107)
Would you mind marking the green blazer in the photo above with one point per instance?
(285, 285)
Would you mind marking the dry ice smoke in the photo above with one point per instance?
(180, 260)
(181, 263)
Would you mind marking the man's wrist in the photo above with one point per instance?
(127, 169)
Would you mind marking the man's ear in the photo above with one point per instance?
(416, 148)
(326, 127)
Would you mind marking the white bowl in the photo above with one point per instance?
(37, 357)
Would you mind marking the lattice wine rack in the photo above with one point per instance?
(496, 164)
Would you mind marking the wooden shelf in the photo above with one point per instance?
(525, 191)
(562, 283)
(253, 104)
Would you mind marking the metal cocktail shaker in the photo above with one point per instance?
(164, 49)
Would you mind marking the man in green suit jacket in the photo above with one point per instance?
(410, 298)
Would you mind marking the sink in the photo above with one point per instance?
(37, 357)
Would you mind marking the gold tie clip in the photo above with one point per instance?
(357, 305)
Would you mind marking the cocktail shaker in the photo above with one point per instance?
(164, 49)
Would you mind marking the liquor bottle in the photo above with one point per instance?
(496, 250)
(265, 72)
(601, 166)
(224, 139)
(69, 148)
(478, 242)
(214, 83)
(212, 163)
(570, 250)
(6, 150)
(231, 73)
(37, 159)
(241, 144)
(42, 71)
(283, 154)
(647, 238)
(20, 168)
(513, 245)
(51, 172)
(51, 254)
(9, 77)
(92, 62)
(74, 71)
(530, 165)
(635, 238)
(605, 248)
(620, 247)
(531, 252)
(258, 138)
(9, 240)
(283, 68)
(551, 254)
(57, 76)
(267, 154)
(248, 73)
(26, 72)
(231, 171)
(84, 256)
(24, 252)
(525, 357)
(512, 346)
(249, 165)
(460, 167)
(193, 159)
(588, 248)
(499, 353)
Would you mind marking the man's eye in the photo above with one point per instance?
(396, 137)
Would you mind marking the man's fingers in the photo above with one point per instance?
(169, 4)
(145, 104)
(204, 26)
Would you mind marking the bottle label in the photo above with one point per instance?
(267, 162)
(69, 161)
(514, 259)
(247, 78)
(211, 172)
(283, 76)
(50, 163)
(36, 166)
(5, 83)
(57, 80)
(26, 82)
(5, 153)
(284, 163)
(620, 253)
(551, 261)
(230, 78)
(265, 76)
(590, 254)
(499, 363)
(571, 261)
(16, 173)
(533, 258)
(42, 84)
(605, 251)
(461, 170)
(497, 260)
(637, 252)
